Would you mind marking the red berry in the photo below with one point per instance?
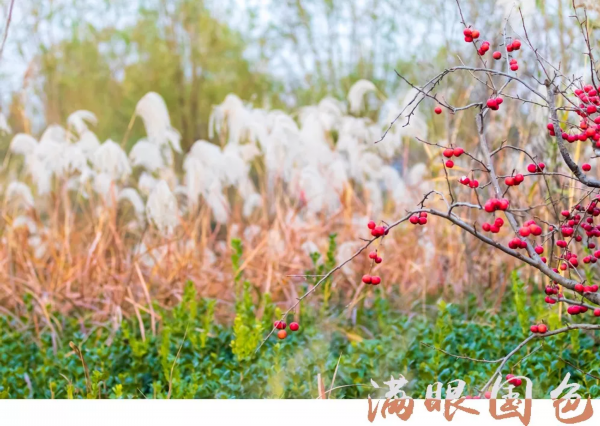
(474, 34)
(510, 181)
(514, 67)
(279, 325)
(519, 178)
(531, 168)
(579, 288)
(516, 44)
(437, 110)
(524, 231)
(539, 249)
(282, 334)
(448, 152)
(458, 151)
(486, 227)
(375, 280)
(497, 55)
(371, 224)
(586, 167)
(474, 184)
(373, 255)
(367, 279)
(467, 32)
(449, 164)
(597, 312)
(378, 259)
(294, 326)
(414, 220)
(422, 221)
(542, 328)
(534, 328)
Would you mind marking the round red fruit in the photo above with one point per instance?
(282, 334)
(542, 328)
(497, 55)
(437, 110)
(375, 280)
(294, 326)
(586, 167)
(367, 279)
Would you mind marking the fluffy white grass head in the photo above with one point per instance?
(356, 95)
(131, 195)
(19, 195)
(73, 160)
(88, 143)
(146, 183)
(240, 123)
(24, 222)
(103, 185)
(23, 144)
(110, 159)
(153, 112)
(54, 133)
(161, 208)
(252, 202)
(218, 204)
(80, 119)
(146, 155)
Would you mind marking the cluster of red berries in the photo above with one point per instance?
(580, 288)
(530, 228)
(420, 219)
(576, 310)
(377, 231)
(536, 168)
(513, 380)
(281, 325)
(570, 261)
(450, 152)
(514, 65)
(470, 35)
(494, 103)
(515, 180)
(373, 255)
(371, 279)
(471, 183)
(494, 204)
(541, 328)
(495, 228)
(517, 243)
(589, 101)
(485, 46)
(515, 45)
(591, 132)
(550, 290)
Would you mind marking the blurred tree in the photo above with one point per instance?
(176, 48)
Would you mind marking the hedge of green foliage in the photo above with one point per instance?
(191, 356)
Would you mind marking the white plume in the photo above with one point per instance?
(357, 93)
(161, 208)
